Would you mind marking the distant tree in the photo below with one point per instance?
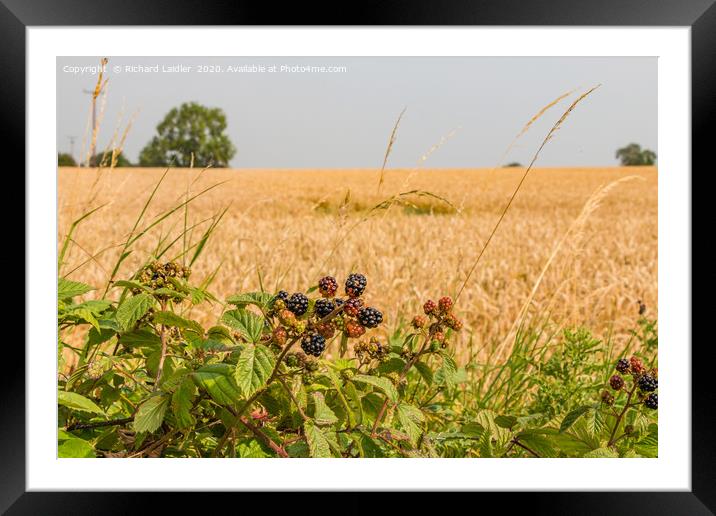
(633, 155)
(513, 164)
(190, 129)
(65, 160)
(104, 159)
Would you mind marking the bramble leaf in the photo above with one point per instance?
(253, 368)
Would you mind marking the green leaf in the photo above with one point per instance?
(318, 444)
(67, 289)
(248, 324)
(447, 374)
(602, 453)
(260, 299)
(250, 449)
(172, 319)
(75, 401)
(217, 380)
(132, 309)
(253, 368)
(322, 414)
(383, 384)
(572, 416)
(129, 284)
(150, 414)
(86, 315)
(537, 442)
(182, 403)
(425, 372)
(505, 421)
(142, 338)
(595, 422)
(220, 334)
(75, 448)
(410, 418)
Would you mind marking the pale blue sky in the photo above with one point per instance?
(333, 120)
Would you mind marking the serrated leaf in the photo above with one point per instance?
(505, 421)
(172, 319)
(182, 403)
(67, 289)
(260, 299)
(383, 384)
(447, 373)
(601, 453)
(150, 414)
(220, 334)
(318, 444)
(132, 309)
(595, 422)
(217, 380)
(75, 401)
(129, 284)
(410, 418)
(322, 414)
(537, 442)
(248, 324)
(572, 416)
(253, 368)
(142, 338)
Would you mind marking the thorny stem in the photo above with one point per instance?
(621, 414)
(403, 373)
(518, 443)
(163, 339)
(274, 375)
(258, 433)
(85, 426)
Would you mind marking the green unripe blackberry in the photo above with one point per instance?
(327, 286)
(292, 360)
(622, 366)
(652, 401)
(628, 429)
(434, 346)
(647, 383)
(313, 344)
(370, 317)
(297, 303)
(355, 285)
(616, 382)
(323, 307)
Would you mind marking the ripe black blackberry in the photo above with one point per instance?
(370, 317)
(327, 286)
(355, 285)
(297, 303)
(622, 366)
(652, 401)
(353, 306)
(313, 344)
(323, 307)
(647, 383)
(616, 382)
(282, 295)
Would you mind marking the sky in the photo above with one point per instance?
(300, 113)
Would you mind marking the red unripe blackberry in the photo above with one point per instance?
(313, 344)
(355, 285)
(419, 321)
(652, 401)
(327, 329)
(616, 382)
(287, 317)
(636, 365)
(370, 317)
(353, 306)
(280, 335)
(622, 366)
(445, 304)
(297, 303)
(327, 286)
(354, 329)
(439, 336)
(647, 383)
(453, 322)
(323, 307)
(429, 307)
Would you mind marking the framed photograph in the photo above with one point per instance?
(442, 251)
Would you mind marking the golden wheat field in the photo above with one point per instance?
(287, 228)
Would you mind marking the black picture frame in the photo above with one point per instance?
(700, 15)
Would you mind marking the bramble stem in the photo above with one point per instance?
(621, 414)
